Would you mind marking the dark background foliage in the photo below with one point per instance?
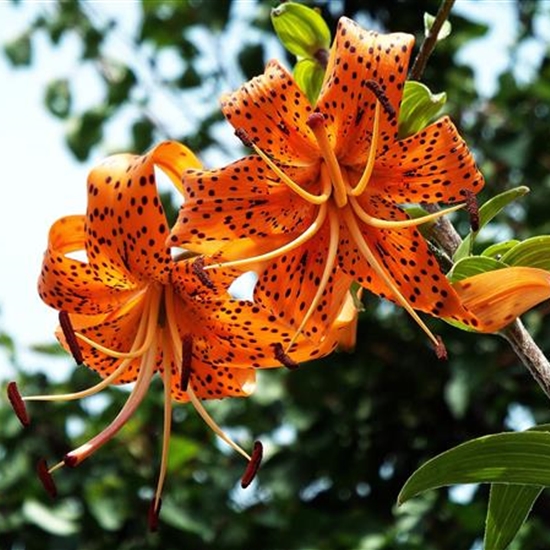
(342, 434)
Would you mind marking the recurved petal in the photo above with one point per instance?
(74, 285)
(357, 59)
(125, 221)
(241, 201)
(273, 111)
(404, 256)
(498, 297)
(434, 165)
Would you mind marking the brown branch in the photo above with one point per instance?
(430, 41)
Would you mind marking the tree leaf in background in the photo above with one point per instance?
(486, 213)
(19, 51)
(444, 31)
(58, 98)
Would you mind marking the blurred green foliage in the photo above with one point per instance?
(341, 435)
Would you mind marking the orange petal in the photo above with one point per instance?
(406, 258)
(74, 285)
(242, 201)
(272, 111)
(125, 221)
(358, 56)
(496, 298)
(430, 166)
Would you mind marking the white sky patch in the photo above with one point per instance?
(242, 288)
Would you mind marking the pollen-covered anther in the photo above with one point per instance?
(46, 478)
(440, 349)
(244, 137)
(381, 96)
(202, 275)
(472, 208)
(186, 359)
(70, 337)
(253, 465)
(153, 514)
(18, 404)
(283, 358)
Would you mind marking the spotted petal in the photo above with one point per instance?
(357, 59)
(72, 284)
(431, 166)
(126, 225)
(272, 110)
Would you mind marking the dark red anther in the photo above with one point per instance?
(198, 269)
(253, 464)
(153, 514)
(283, 358)
(244, 137)
(440, 349)
(186, 359)
(18, 404)
(472, 208)
(70, 337)
(314, 120)
(70, 460)
(46, 478)
(381, 96)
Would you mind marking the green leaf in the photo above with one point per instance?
(58, 97)
(444, 31)
(509, 506)
(533, 252)
(418, 108)
(57, 521)
(301, 29)
(519, 457)
(486, 213)
(473, 265)
(19, 51)
(309, 75)
(497, 250)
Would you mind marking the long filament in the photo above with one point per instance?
(334, 238)
(381, 272)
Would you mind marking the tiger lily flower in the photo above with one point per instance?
(320, 200)
(129, 310)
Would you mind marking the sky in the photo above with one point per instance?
(42, 181)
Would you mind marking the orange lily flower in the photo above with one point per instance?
(128, 310)
(320, 201)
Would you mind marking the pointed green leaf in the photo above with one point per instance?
(302, 30)
(418, 108)
(533, 252)
(444, 31)
(473, 265)
(486, 213)
(309, 75)
(519, 457)
(509, 506)
(497, 250)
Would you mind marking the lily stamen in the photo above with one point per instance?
(44, 474)
(285, 249)
(309, 197)
(254, 465)
(18, 404)
(399, 224)
(70, 337)
(367, 172)
(316, 123)
(367, 253)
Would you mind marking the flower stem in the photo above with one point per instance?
(430, 41)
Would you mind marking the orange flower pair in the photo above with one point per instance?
(315, 208)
